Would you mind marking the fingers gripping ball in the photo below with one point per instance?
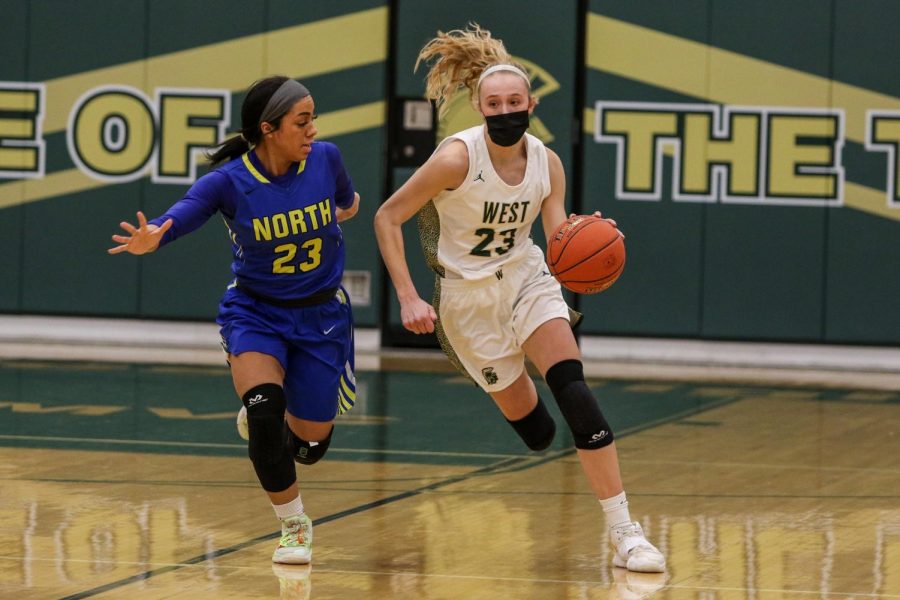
(586, 254)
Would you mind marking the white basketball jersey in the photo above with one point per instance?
(485, 222)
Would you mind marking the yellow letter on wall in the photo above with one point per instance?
(189, 121)
(21, 145)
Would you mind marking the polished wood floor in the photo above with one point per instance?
(128, 482)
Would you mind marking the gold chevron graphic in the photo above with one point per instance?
(614, 46)
(702, 71)
(300, 51)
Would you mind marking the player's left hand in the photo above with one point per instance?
(598, 215)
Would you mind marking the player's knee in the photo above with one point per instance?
(578, 405)
(537, 428)
(309, 453)
(267, 447)
(265, 421)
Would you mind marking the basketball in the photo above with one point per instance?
(586, 254)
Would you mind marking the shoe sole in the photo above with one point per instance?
(292, 560)
(618, 562)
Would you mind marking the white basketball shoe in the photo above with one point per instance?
(632, 551)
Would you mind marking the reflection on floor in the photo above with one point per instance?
(129, 481)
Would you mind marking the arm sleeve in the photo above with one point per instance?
(344, 186)
(202, 200)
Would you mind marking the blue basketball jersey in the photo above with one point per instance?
(286, 242)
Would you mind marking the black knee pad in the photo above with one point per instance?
(578, 405)
(268, 449)
(309, 453)
(537, 428)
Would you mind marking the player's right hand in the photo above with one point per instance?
(141, 239)
(418, 316)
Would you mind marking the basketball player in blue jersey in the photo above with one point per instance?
(286, 322)
(495, 302)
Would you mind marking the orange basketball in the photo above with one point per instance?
(586, 254)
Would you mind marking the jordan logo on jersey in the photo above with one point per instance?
(479, 177)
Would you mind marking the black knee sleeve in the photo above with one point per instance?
(578, 405)
(537, 428)
(268, 449)
(309, 453)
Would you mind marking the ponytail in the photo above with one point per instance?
(231, 148)
(457, 59)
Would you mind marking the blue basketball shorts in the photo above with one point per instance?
(314, 345)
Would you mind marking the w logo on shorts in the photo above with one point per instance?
(489, 376)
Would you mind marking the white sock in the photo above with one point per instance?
(291, 509)
(616, 509)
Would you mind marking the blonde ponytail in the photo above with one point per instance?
(458, 58)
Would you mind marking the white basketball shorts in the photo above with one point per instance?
(488, 320)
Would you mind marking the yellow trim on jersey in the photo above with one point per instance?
(350, 393)
(252, 169)
(347, 390)
(344, 405)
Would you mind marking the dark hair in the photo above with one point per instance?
(249, 134)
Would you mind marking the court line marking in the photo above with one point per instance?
(558, 454)
(107, 562)
(491, 469)
(330, 486)
(48, 438)
(532, 460)
(221, 483)
(276, 534)
(702, 463)
(675, 586)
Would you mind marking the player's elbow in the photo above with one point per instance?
(348, 213)
(383, 220)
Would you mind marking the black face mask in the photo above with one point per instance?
(507, 129)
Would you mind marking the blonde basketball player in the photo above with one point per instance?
(495, 301)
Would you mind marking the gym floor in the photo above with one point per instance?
(123, 480)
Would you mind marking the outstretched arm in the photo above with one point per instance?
(210, 193)
(141, 239)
